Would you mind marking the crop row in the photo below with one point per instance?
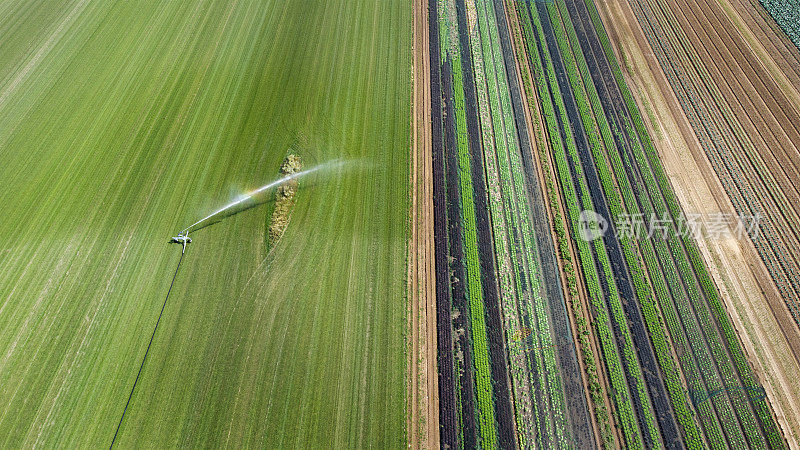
(677, 392)
(663, 295)
(526, 406)
(581, 90)
(732, 154)
(449, 389)
(545, 82)
(563, 246)
(592, 120)
(511, 212)
(473, 285)
(575, 100)
(691, 327)
(709, 290)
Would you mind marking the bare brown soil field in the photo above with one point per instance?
(423, 389)
(747, 122)
(750, 85)
(757, 101)
(765, 37)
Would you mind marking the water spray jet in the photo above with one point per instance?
(183, 236)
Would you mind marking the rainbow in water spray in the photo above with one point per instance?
(327, 165)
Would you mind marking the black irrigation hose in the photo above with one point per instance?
(147, 351)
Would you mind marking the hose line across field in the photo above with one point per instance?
(149, 344)
(184, 233)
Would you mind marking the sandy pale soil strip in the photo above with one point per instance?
(423, 395)
(750, 297)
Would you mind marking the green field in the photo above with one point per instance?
(123, 122)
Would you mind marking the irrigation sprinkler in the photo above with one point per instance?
(183, 236)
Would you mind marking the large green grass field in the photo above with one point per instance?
(123, 122)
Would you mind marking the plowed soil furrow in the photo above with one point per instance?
(748, 103)
(760, 325)
(696, 105)
(423, 390)
(708, 137)
(771, 36)
(745, 157)
(709, 15)
(774, 153)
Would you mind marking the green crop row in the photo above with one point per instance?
(474, 289)
(724, 410)
(595, 388)
(677, 391)
(595, 122)
(513, 171)
(505, 208)
(521, 244)
(523, 404)
(614, 202)
(545, 81)
(515, 243)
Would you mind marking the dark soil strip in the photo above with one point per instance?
(146, 352)
(504, 412)
(448, 420)
(578, 410)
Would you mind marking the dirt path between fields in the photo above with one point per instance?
(422, 417)
(762, 321)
